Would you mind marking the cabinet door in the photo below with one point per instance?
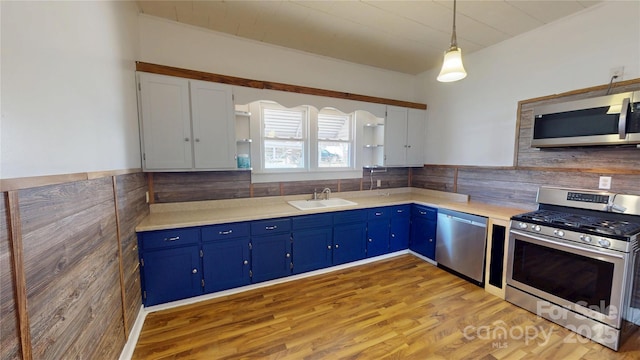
(270, 256)
(213, 125)
(395, 136)
(377, 237)
(423, 237)
(399, 229)
(171, 274)
(226, 264)
(416, 119)
(311, 249)
(349, 242)
(165, 122)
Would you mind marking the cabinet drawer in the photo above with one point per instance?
(379, 213)
(271, 226)
(225, 231)
(311, 221)
(166, 238)
(350, 216)
(401, 210)
(424, 212)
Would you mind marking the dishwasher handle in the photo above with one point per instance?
(466, 221)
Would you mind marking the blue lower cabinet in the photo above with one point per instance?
(399, 228)
(423, 231)
(311, 249)
(226, 264)
(270, 256)
(349, 242)
(377, 237)
(171, 274)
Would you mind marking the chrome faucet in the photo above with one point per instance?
(326, 192)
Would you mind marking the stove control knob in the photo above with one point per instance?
(604, 242)
(522, 225)
(537, 228)
(558, 233)
(585, 238)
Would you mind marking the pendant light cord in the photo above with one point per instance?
(454, 41)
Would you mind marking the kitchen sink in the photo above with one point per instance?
(320, 204)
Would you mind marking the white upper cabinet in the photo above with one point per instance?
(404, 137)
(185, 124)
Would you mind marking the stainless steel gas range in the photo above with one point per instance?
(574, 261)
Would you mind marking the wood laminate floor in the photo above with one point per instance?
(399, 308)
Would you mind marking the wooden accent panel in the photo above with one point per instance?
(132, 208)
(307, 187)
(598, 157)
(434, 177)
(399, 308)
(513, 187)
(35, 181)
(71, 269)
(10, 347)
(260, 84)
(196, 186)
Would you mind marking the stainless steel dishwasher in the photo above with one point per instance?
(461, 239)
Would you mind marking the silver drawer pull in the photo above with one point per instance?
(225, 232)
(172, 238)
(399, 211)
(271, 227)
(245, 262)
(423, 213)
(194, 271)
(378, 213)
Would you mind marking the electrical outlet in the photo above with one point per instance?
(605, 182)
(617, 71)
(379, 182)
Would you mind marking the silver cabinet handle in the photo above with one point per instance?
(186, 139)
(328, 247)
(245, 262)
(197, 140)
(370, 240)
(225, 232)
(271, 227)
(622, 122)
(288, 255)
(378, 214)
(423, 212)
(399, 211)
(393, 235)
(172, 238)
(194, 271)
(337, 246)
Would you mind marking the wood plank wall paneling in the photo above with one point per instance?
(9, 326)
(132, 208)
(71, 268)
(196, 186)
(606, 158)
(69, 243)
(440, 178)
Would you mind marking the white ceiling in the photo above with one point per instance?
(404, 36)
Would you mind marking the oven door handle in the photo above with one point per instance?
(610, 253)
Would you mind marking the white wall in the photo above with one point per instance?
(68, 88)
(170, 43)
(473, 121)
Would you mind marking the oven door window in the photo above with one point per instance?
(576, 278)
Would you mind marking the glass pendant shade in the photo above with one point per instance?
(452, 68)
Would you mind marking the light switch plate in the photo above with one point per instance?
(605, 182)
(379, 183)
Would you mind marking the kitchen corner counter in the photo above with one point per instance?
(483, 209)
(202, 213)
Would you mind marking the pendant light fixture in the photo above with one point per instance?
(452, 68)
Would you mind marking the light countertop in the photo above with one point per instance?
(200, 213)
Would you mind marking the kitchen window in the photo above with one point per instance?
(302, 143)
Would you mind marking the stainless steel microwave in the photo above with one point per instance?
(604, 120)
